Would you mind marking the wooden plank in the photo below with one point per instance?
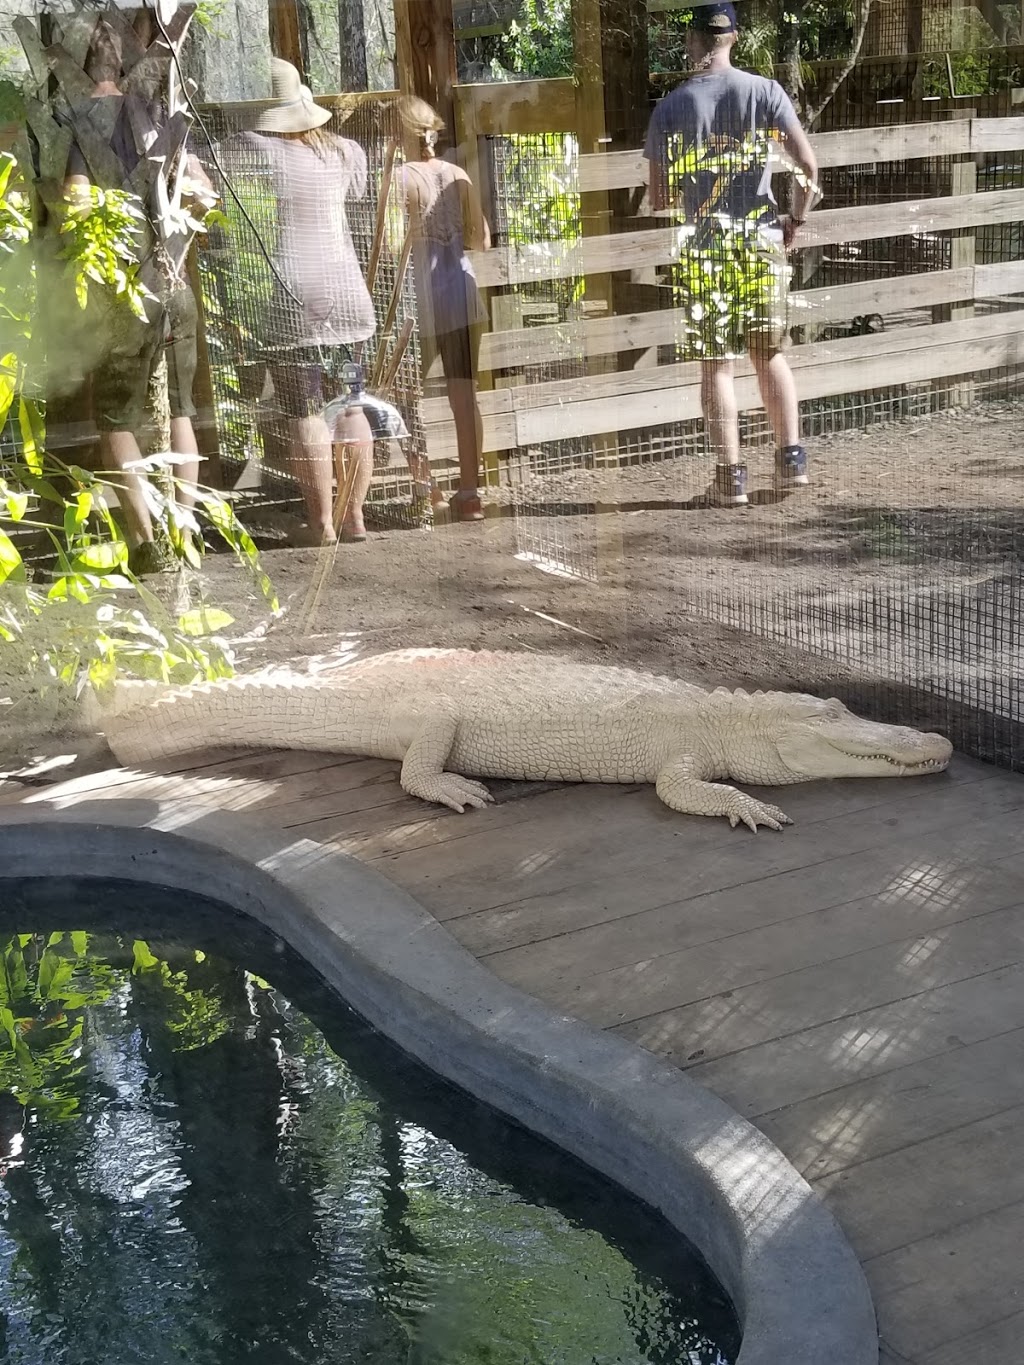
(570, 947)
(520, 106)
(895, 1107)
(676, 1005)
(964, 181)
(537, 884)
(658, 246)
(1002, 277)
(642, 398)
(997, 134)
(569, 260)
(913, 1287)
(425, 59)
(836, 304)
(799, 1067)
(847, 147)
(846, 366)
(898, 142)
(612, 171)
(904, 1196)
(759, 958)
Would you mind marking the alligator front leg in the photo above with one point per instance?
(423, 772)
(681, 787)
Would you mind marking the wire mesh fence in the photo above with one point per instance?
(241, 298)
(908, 597)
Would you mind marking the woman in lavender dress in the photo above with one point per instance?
(446, 220)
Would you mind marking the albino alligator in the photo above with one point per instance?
(454, 715)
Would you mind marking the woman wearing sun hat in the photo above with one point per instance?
(320, 306)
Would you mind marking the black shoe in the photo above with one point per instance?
(791, 468)
(729, 488)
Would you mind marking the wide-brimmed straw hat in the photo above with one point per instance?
(293, 110)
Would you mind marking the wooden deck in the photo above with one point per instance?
(855, 985)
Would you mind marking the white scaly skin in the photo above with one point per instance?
(451, 716)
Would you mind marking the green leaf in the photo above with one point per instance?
(11, 565)
(204, 621)
(17, 504)
(8, 383)
(104, 556)
(31, 426)
(143, 959)
(80, 942)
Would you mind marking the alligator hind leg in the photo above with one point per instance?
(423, 772)
(681, 787)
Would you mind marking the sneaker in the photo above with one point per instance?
(729, 488)
(791, 468)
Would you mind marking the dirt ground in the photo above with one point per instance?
(615, 562)
(631, 565)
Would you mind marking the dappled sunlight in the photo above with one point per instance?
(935, 885)
(547, 564)
(186, 799)
(916, 957)
(860, 1048)
(758, 1179)
(39, 764)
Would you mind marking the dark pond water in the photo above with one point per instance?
(206, 1157)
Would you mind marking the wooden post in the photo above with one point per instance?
(612, 111)
(287, 34)
(963, 180)
(425, 50)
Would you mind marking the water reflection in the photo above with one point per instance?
(192, 1171)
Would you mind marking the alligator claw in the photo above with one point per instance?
(455, 792)
(753, 813)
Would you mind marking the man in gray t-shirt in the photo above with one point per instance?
(712, 146)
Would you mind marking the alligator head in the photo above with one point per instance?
(796, 738)
(824, 739)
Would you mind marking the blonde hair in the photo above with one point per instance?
(322, 142)
(417, 115)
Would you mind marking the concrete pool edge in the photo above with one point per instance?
(799, 1290)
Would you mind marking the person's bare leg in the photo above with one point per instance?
(118, 449)
(778, 393)
(353, 525)
(310, 443)
(721, 415)
(469, 432)
(183, 442)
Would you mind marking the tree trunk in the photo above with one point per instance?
(788, 55)
(351, 45)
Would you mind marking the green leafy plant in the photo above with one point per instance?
(88, 617)
(728, 278)
(100, 238)
(537, 44)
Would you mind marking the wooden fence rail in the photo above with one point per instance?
(528, 414)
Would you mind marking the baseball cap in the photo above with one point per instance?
(719, 17)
